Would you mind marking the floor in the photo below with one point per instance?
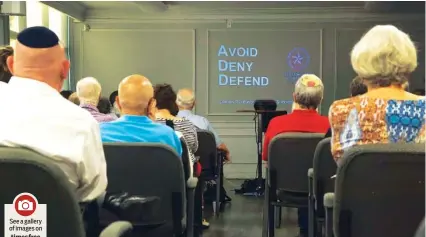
(243, 217)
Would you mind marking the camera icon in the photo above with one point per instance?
(25, 205)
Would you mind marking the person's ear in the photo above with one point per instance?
(10, 61)
(294, 96)
(65, 69)
(117, 101)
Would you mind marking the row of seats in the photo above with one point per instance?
(378, 190)
(23, 170)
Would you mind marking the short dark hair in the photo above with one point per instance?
(419, 92)
(112, 97)
(5, 73)
(104, 106)
(66, 94)
(166, 98)
(357, 87)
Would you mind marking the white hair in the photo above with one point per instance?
(186, 102)
(89, 91)
(384, 53)
(308, 91)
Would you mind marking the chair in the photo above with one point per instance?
(320, 182)
(290, 157)
(23, 170)
(210, 163)
(379, 191)
(191, 184)
(150, 169)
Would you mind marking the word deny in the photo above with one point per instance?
(227, 66)
(225, 80)
(236, 52)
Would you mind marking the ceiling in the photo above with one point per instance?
(83, 10)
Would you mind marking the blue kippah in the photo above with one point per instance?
(38, 37)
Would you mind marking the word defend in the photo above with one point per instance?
(237, 67)
(25, 217)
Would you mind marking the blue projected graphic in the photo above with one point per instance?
(298, 59)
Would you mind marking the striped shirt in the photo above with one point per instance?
(189, 132)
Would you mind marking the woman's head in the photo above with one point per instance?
(104, 106)
(166, 98)
(384, 56)
(357, 87)
(5, 73)
(308, 91)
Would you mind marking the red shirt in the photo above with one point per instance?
(309, 121)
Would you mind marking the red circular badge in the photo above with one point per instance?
(25, 204)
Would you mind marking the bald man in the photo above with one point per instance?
(137, 105)
(89, 93)
(186, 102)
(36, 116)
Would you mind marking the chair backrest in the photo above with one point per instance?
(149, 169)
(186, 162)
(26, 171)
(207, 153)
(290, 157)
(324, 168)
(380, 191)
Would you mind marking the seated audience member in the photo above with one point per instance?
(112, 100)
(166, 112)
(66, 94)
(307, 96)
(384, 58)
(74, 98)
(57, 129)
(356, 88)
(89, 92)
(186, 102)
(137, 106)
(5, 74)
(104, 107)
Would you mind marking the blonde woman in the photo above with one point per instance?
(384, 59)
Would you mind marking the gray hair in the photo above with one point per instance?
(308, 91)
(383, 56)
(185, 101)
(88, 91)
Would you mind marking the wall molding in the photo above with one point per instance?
(73, 9)
(330, 14)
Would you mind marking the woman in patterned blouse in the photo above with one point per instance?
(384, 59)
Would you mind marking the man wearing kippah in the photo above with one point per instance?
(36, 116)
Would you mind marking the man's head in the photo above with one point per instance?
(308, 92)
(113, 97)
(185, 99)
(89, 91)
(135, 96)
(357, 87)
(5, 74)
(39, 56)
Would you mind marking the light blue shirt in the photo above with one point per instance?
(200, 122)
(131, 128)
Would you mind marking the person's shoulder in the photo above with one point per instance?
(345, 102)
(75, 112)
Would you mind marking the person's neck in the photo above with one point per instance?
(52, 81)
(389, 92)
(90, 103)
(132, 112)
(296, 106)
(164, 113)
